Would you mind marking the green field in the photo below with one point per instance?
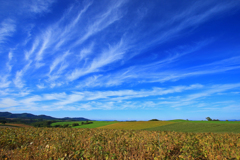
(200, 127)
(218, 122)
(178, 126)
(95, 124)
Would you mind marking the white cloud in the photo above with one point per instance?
(19, 83)
(40, 86)
(34, 47)
(70, 99)
(58, 61)
(86, 51)
(8, 102)
(111, 55)
(46, 40)
(7, 28)
(31, 100)
(103, 20)
(123, 94)
(4, 83)
(54, 96)
(194, 99)
(39, 6)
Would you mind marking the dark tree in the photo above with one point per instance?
(154, 120)
(3, 122)
(209, 119)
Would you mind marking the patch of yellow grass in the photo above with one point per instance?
(136, 125)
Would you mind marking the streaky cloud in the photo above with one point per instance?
(7, 28)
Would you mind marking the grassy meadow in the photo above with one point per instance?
(197, 127)
(95, 124)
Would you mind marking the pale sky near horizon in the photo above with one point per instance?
(122, 59)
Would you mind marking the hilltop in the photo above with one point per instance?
(32, 116)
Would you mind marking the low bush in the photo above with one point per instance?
(154, 120)
(65, 125)
(75, 124)
(58, 125)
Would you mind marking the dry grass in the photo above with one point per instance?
(136, 125)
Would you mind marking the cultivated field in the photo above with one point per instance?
(14, 125)
(198, 127)
(136, 125)
(173, 125)
(218, 122)
(72, 143)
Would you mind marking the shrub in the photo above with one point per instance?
(3, 122)
(226, 120)
(65, 125)
(75, 124)
(58, 125)
(154, 120)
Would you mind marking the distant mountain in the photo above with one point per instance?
(32, 116)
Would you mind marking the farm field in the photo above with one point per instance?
(198, 127)
(95, 124)
(71, 143)
(218, 122)
(136, 125)
(173, 125)
(15, 125)
(6, 126)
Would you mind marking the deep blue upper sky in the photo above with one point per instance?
(123, 59)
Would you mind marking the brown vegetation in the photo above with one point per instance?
(69, 143)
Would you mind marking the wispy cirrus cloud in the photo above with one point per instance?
(191, 95)
(195, 99)
(39, 6)
(103, 20)
(58, 60)
(19, 83)
(106, 57)
(63, 99)
(7, 28)
(88, 55)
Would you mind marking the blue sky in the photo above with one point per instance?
(121, 60)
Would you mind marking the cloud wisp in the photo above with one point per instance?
(7, 28)
(124, 99)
